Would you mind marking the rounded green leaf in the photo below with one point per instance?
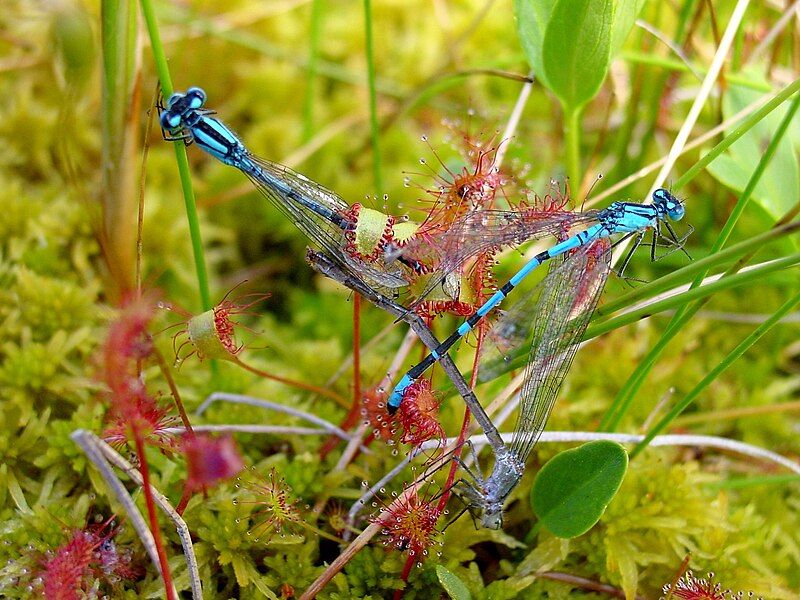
(776, 191)
(577, 49)
(625, 13)
(532, 19)
(573, 489)
(454, 587)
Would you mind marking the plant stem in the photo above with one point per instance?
(162, 68)
(736, 353)
(628, 392)
(703, 265)
(745, 482)
(356, 350)
(151, 513)
(675, 65)
(294, 383)
(681, 301)
(572, 137)
(517, 359)
(311, 75)
(738, 132)
(176, 396)
(373, 100)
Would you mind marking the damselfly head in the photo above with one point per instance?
(669, 204)
(196, 97)
(174, 99)
(179, 104)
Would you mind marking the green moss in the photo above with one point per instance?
(47, 305)
(56, 299)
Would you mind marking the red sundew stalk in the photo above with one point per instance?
(127, 345)
(151, 513)
(184, 501)
(462, 436)
(684, 566)
(293, 382)
(349, 421)
(187, 493)
(176, 396)
(352, 414)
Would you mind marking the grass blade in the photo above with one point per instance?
(740, 349)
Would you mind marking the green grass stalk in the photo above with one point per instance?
(680, 67)
(627, 393)
(162, 68)
(517, 358)
(694, 293)
(738, 49)
(572, 136)
(732, 357)
(747, 482)
(738, 132)
(373, 101)
(703, 265)
(311, 73)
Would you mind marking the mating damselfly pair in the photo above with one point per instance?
(388, 254)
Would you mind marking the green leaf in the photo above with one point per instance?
(573, 489)
(625, 13)
(532, 19)
(777, 189)
(577, 49)
(15, 490)
(454, 587)
(240, 565)
(546, 556)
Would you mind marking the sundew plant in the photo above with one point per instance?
(228, 229)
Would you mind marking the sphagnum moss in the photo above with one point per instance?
(53, 310)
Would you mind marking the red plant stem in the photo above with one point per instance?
(341, 401)
(333, 440)
(410, 561)
(184, 501)
(462, 436)
(151, 512)
(356, 349)
(584, 583)
(176, 396)
(681, 570)
(352, 415)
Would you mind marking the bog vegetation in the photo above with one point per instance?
(162, 322)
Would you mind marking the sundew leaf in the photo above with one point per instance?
(573, 489)
(776, 191)
(454, 587)
(576, 51)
